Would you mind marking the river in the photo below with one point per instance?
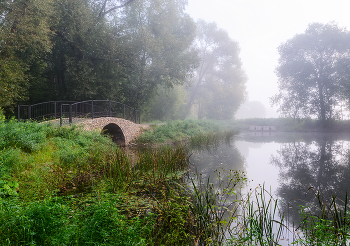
(287, 164)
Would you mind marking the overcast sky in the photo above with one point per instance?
(260, 26)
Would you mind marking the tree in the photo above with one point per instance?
(251, 109)
(159, 34)
(123, 50)
(218, 87)
(166, 105)
(311, 72)
(24, 40)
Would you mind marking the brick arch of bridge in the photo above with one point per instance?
(129, 129)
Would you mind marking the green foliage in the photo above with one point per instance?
(103, 225)
(28, 137)
(110, 195)
(77, 50)
(293, 125)
(167, 104)
(55, 222)
(25, 40)
(160, 34)
(171, 221)
(209, 139)
(214, 208)
(179, 130)
(330, 225)
(260, 221)
(8, 188)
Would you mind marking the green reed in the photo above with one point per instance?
(260, 221)
(211, 139)
(214, 207)
(328, 223)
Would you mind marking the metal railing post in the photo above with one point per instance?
(70, 114)
(18, 112)
(92, 109)
(55, 109)
(61, 115)
(29, 112)
(123, 111)
(135, 116)
(109, 108)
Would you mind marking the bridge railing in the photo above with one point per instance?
(41, 111)
(70, 112)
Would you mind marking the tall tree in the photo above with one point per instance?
(159, 34)
(25, 37)
(310, 72)
(218, 87)
(251, 109)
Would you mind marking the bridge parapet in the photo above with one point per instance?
(263, 128)
(129, 129)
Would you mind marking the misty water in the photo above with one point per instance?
(287, 164)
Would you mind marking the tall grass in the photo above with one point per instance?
(179, 130)
(260, 221)
(210, 139)
(326, 224)
(214, 207)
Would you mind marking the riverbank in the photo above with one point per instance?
(187, 130)
(293, 125)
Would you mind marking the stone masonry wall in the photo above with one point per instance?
(130, 129)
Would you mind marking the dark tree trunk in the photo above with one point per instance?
(322, 104)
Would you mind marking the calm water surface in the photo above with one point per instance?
(288, 164)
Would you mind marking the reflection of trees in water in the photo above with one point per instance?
(321, 165)
(215, 163)
(223, 156)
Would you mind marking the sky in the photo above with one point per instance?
(260, 26)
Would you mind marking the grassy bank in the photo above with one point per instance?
(64, 186)
(181, 130)
(293, 125)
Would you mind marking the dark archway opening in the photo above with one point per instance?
(113, 130)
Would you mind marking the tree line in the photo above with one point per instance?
(149, 54)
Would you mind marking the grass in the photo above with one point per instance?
(179, 130)
(328, 223)
(64, 186)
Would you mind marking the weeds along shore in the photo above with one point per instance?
(64, 186)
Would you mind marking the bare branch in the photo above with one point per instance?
(103, 8)
(103, 12)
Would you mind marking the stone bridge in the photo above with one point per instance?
(121, 131)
